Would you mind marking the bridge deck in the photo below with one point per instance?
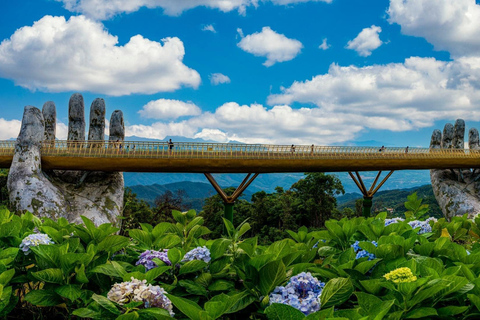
(237, 158)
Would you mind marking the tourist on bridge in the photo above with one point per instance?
(292, 149)
(382, 149)
(170, 146)
(311, 151)
(406, 149)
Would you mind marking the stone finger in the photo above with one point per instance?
(96, 130)
(436, 140)
(50, 117)
(473, 139)
(117, 127)
(76, 118)
(459, 134)
(33, 127)
(447, 137)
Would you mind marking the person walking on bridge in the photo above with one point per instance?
(170, 146)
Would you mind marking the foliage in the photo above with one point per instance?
(92, 272)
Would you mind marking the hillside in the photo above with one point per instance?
(393, 200)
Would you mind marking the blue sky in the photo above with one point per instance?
(255, 71)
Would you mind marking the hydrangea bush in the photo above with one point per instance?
(199, 253)
(301, 292)
(34, 240)
(361, 253)
(146, 258)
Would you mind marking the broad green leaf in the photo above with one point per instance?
(271, 275)
(106, 304)
(192, 266)
(80, 274)
(52, 275)
(113, 243)
(215, 308)
(160, 229)
(421, 313)
(155, 273)
(336, 292)
(43, 298)
(475, 300)
(243, 229)
(219, 247)
(451, 310)
(229, 226)
(69, 291)
(141, 236)
(110, 270)
(278, 311)
(154, 313)
(221, 285)
(168, 241)
(6, 276)
(47, 256)
(174, 255)
(179, 217)
(128, 316)
(86, 313)
(193, 287)
(187, 307)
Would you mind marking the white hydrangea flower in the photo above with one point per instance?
(34, 240)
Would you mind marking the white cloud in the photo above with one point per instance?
(80, 55)
(61, 131)
(324, 45)
(9, 128)
(210, 28)
(218, 78)
(366, 41)
(105, 9)
(452, 25)
(274, 46)
(169, 109)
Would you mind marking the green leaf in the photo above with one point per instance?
(336, 292)
(10, 229)
(49, 275)
(271, 275)
(128, 316)
(48, 256)
(221, 285)
(187, 307)
(168, 241)
(215, 308)
(421, 313)
(113, 243)
(219, 247)
(193, 287)
(160, 229)
(69, 291)
(105, 303)
(451, 310)
(192, 266)
(279, 311)
(80, 274)
(6, 276)
(154, 313)
(43, 298)
(155, 273)
(243, 229)
(86, 313)
(475, 300)
(174, 255)
(141, 236)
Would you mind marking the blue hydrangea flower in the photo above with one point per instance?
(301, 292)
(34, 240)
(199, 253)
(423, 225)
(393, 220)
(146, 258)
(316, 244)
(363, 253)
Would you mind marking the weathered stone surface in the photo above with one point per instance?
(50, 117)
(68, 194)
(76, 118)
(117, 128)
(96, 130)
(457, 191)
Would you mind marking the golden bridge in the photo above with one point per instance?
(207, 158)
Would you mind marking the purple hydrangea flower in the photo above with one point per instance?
(363, 253)
(393, 220)
(34, 240)
(199, 253)
(146, 258)
(423, 225)
(301, 292)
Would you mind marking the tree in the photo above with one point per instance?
(315, 198)
(135, 211)
(4, 198)
(165, 203)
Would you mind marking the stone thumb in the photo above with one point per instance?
(27, 159)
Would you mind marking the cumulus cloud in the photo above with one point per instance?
(274, 46)
(78, 54)
(366, 41)
(104, 9)
(210, 28)
(451, 25)
(9, 128)
(324, 45)
(169, 109)
(218, 78)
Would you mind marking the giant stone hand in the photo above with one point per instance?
(68, 194)
(457, 190)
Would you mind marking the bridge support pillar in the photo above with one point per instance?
(367, 206)
(229, 201)
(368, 194)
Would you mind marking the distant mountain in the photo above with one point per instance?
(393, 200)
(195, 192)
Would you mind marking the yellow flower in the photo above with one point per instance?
(401, 275)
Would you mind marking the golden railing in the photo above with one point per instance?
(195, 150)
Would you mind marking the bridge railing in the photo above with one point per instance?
(145, 149)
